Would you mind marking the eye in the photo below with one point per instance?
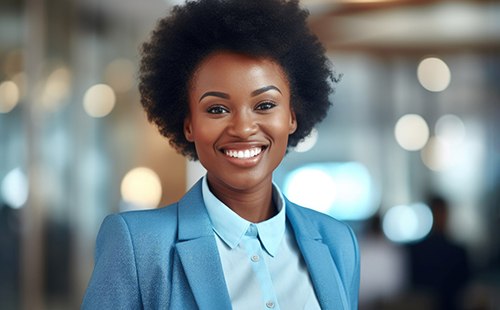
(217, 110)
(267, 105)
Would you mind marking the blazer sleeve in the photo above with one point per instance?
(114, 281)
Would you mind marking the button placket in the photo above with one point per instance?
(257, 258)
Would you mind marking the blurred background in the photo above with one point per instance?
(409, 155)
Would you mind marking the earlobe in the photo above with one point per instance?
(293, 123)
(188, 131)
(293, 127)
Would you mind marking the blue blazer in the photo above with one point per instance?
(167, 258)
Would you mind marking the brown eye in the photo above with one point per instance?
(217, 110)
(265, 106)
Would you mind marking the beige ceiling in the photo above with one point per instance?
(406, 24)
(365, 24)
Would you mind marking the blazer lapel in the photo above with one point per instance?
(328, 285)
(197, 250)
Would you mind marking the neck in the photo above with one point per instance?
(254, 205)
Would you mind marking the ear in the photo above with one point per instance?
(188, 129)
(293, 122)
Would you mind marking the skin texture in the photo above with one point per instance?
(238, 103)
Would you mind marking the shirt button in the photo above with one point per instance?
(270, 304)
(255, 258)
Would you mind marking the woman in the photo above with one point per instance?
(233, 84)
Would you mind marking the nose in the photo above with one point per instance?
(243, 124)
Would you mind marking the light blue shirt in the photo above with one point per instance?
(262, 264)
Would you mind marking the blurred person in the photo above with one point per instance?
(233, 84)
(438, 265)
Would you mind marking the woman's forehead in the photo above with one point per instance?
(228, 68)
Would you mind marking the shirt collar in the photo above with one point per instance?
(230, 227)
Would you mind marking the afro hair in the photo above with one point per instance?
(273, 29)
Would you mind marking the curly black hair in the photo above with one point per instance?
(273, 29)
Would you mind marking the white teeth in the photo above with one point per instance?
(243, 154)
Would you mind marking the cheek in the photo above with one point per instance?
(281, 129)
(205, 133)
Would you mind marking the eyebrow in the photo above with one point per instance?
(253, 94)
(264, 89)
(215, 94)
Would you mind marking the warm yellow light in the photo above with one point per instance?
(434, 74)
(99, 100)
(141, 187)
(411, 132)
(9, 96)
(57, 88)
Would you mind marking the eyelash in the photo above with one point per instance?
(263, 106)
(269, 105)
(220, 110)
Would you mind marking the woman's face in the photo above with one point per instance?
(240, 118)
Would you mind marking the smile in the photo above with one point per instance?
(243, 154)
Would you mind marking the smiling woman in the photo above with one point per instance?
(240, 127)
(233, 84)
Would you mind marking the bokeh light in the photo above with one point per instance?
(311, 187)
(141, 187)
(308, 143)
(411, 132)
(15, 188)
(433, 74)
(407, 223)
(450, 129)
(438, 155)
(57, 88)
(9, 96)
(342, 190)
(99, 100)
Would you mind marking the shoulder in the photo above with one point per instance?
(142, 226)
(153, 217)
(146, 237)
